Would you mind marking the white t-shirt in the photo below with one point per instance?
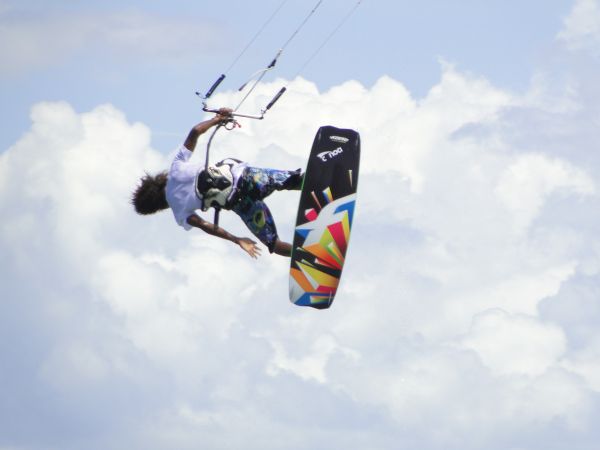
(181, 184)
(181, 187)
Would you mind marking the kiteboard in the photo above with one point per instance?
(324, 219)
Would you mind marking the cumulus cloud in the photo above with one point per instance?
(525, 184)
(581, 30)
(518, 344)
(452, 327)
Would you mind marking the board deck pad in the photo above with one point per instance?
(324, 219)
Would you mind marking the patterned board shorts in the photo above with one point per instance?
(254, 185)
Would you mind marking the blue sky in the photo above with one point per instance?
(468, 314)
(87, 65)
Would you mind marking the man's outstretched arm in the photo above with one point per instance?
(248, 245)
(203, 127)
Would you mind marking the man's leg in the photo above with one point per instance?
(282, 248)
(259, 220)
(259, 183)
(294, 181)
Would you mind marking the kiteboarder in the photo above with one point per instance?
(230, 184)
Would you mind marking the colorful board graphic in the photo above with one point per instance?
(324, 217)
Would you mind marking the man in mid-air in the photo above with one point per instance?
(230, 184)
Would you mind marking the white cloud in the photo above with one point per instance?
(524, 185)
(586, 362)
(581, 29)
(311, 366)
(515, 344)
(448, 318)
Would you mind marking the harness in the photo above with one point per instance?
(216, 185)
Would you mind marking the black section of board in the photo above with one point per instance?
(329, 168)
